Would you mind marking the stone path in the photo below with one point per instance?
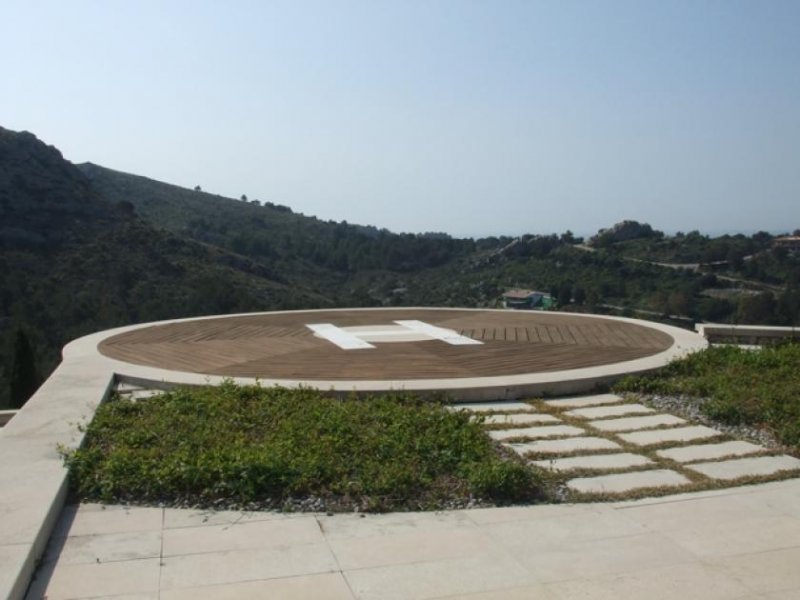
(604, 446)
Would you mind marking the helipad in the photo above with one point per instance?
(468, 353)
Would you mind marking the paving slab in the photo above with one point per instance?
(744, 467)
(574, 444)
(770, 572)
(621, 460)
(175, 518)
(339, 526)
(660, 436)
(545, 431)
(240, 536)
(104, 548)
(698, 452)
(528, 540)
(633, 423)
(625, 482)
(95, 519)
(434, 579)
(581, 401)
(235, 566)
(537, 591)
(65, 582)
(404, 548)
(670, 581)
(519, 419)
(323, 586)
(601, 412)
(612, 555)
(493, 407)
(725, 525)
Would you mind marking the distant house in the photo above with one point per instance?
(790, 242)
(527, 300)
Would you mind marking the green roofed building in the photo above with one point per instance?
(527, 300)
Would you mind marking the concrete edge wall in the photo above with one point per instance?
(543, 389)
(746, 334)
(35, 479)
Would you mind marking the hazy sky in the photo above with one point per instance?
(468, 117)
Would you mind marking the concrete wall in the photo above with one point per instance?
(756, 335)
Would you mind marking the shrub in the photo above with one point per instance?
(759, 388)
(237, 446)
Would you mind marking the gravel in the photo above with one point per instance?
(302, 504)
(691, 408)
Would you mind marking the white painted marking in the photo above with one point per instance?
(338, 336)
(439, 333)
(386, 333)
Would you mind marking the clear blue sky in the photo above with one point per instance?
(468, 117)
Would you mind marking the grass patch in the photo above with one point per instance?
(757, 388)
(232, 446)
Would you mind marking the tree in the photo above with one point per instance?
(780, 253)
(756, 310)
(735, 258)
(564, 294)
(679, 302)
(125, 207)
(24, 378)
(713, 309)
(762, 238)
(197, 188)
(789, 306)
(244, 197)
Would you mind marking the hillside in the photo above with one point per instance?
(84, 248)
(72, 262)
(274, 233)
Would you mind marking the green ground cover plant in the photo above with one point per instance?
(247, 446)
(752, 387)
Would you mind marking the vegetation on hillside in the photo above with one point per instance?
(84, 248)
(71, 263)
(255, 447)
(759, 388)
(274, 233)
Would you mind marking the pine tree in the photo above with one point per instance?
(24, 379)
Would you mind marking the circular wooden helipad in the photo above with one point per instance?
(386, 344)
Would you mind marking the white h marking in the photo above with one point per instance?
(439, 333)
(340, 337)
(347, 340)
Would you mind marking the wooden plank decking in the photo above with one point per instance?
(280, 346)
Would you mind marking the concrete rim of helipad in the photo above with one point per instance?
(465, 388)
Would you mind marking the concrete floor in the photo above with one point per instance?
(739, 543)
